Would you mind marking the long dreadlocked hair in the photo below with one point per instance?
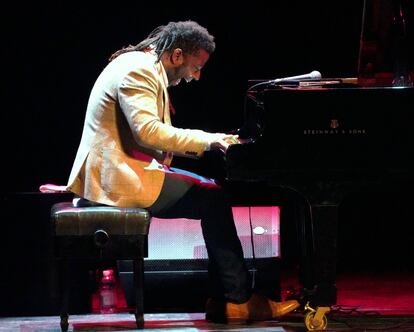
(187, 35)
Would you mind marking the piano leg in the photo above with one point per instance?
(316, 231)
(306, 242)
(325, 217)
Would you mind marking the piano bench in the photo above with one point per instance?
(99, 233)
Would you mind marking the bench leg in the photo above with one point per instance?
(65, 293)
(139, 292)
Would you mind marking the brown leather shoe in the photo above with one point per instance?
(258, 307)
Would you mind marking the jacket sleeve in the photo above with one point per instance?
(138, 94)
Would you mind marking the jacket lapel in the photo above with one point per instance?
(166, 98)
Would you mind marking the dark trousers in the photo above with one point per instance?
(187, 195)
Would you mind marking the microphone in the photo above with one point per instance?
(314, 75)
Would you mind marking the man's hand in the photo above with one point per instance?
(223, 141)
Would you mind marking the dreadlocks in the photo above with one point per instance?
(187, 35)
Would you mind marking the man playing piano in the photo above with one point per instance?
(127, 146)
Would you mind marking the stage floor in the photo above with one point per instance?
(367, 301)
(193, 322)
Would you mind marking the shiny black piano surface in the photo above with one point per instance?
(328, 132)
(322, 144)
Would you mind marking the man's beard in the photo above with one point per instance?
(175, 76)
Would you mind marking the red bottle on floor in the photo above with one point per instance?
(107, 292)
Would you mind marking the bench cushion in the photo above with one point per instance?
(80, 221)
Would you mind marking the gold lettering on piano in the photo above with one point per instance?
(357, 131)
(334, 123)
(361, 131)
(320, 132)
(335, 130)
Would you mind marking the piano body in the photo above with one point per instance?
(323, 143)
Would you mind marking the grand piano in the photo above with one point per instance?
(322, 143)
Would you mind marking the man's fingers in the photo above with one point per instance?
(231, 139)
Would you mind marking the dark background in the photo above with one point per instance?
(54, 52)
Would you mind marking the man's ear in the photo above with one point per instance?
(177, 57)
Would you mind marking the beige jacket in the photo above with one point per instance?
(127, 141)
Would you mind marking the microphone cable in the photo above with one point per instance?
(254, 263)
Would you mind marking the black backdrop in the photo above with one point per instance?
(54, 52)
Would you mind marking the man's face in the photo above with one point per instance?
(189, 69)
